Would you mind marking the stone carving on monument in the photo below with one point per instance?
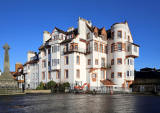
(7, 83)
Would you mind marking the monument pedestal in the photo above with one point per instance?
(8, 85)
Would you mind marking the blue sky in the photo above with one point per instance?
(22, 23)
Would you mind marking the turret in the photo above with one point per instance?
(118, 52)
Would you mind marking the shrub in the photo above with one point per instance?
(66, 84)
(50, 85)
(41, 86)
(61, 87)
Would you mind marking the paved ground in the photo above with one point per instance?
(70, 103)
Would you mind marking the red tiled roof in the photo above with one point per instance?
(107, 82)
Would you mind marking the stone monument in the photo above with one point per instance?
(7, 83)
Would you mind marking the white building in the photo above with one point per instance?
(31, 71)
(88, 56)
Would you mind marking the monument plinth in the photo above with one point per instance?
(7, 83)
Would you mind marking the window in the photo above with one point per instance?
(89, 61)
(95, 46)
(57, 74)
(112, 62)
(112, 75)
(112, 48)
(96, 61)
(78, 73)
(88, 35)
(135, 49)
(49, 51)
(128, 38)
(103, 62)
(101, 48)
(112, 35)
(119, 61)
(129, 48)
(49, 75)
(103, 74)
(88, 47)
(119, 74)
(106, 49)
(49, 63)
(128, 73)
(61, 37)
(119, 46)
(43, 64)
(119, 34)
(66, 60)
(130, 62)
(55, 48)
(52, 49)
(43, 75)
(78, 60)
(66, 74)
(55, 62)
(76, 47)
(94, 77)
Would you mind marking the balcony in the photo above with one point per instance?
(132, 50)
(129, 77)
(78, 50)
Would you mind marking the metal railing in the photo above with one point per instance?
(80, 50)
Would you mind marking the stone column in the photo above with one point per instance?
(6, 59)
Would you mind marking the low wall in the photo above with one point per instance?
(10, 91)
(38, 91)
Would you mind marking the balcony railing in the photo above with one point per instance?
(79, 50)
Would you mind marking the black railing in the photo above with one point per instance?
(80, 50)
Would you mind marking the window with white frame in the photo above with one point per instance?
(55, 48)
(135, 49)
(55, 62)
(102, 74)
